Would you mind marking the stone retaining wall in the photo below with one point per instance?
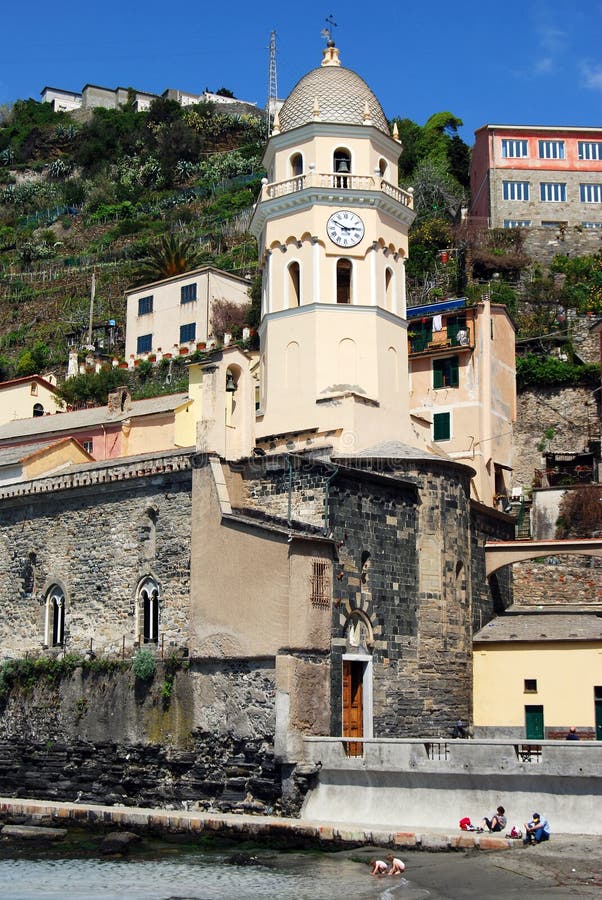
(108, 738)
(573, 414)
(558, 581)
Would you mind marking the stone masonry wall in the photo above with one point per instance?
(96, 535)
(106, 738)
(558, 581)
(268, 485)
(543, 244)
(571, 412)
(411, 564)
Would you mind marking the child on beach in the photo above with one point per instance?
(378, 867)
(397, 867)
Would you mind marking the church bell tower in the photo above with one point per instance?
(332, 227)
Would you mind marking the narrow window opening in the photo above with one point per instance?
(320, 583)
(343, 281)
(149, 603)
(296, 165)
(389, 289)
(342, 168)
(294, 287)
(56, 612)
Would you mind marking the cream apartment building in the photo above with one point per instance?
(164, 316)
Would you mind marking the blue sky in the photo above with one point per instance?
(518, 61)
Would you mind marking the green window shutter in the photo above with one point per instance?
(437, 374)
(442, 426)
(454, 372)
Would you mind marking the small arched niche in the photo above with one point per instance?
(296, 165)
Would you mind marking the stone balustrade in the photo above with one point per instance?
(335, 181)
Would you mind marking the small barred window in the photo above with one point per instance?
(320, 583)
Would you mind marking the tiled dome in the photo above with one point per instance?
(341, 97)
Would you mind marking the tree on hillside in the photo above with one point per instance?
(437, 141)
(580, 282)
(172, 255)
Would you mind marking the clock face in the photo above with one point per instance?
(345, 228)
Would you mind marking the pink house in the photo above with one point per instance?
(529, 176)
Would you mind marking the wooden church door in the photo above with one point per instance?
(353, 704)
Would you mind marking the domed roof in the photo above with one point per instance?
(331, 93)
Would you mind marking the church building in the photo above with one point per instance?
(355, 551)
(317, 558)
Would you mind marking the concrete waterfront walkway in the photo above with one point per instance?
(290, 832)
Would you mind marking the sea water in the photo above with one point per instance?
(178, 874)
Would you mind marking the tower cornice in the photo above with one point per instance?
(304, 199)
(311, 130)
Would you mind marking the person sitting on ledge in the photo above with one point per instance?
(536, 831)
(497, 822)
(459, 730)
(572, 735)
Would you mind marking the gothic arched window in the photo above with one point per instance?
(148, 598)
(55, 616)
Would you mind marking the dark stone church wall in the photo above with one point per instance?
(106, 738)
(273, 486)
(375, 523)
(96, 541)
(436, 683)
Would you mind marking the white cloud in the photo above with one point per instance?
(591, 74)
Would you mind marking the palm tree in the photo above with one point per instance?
(172, 255)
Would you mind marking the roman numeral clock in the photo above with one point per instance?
(345, 228)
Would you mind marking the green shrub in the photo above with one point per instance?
(549, 371)
(144, 665)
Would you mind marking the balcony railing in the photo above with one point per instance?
(425, 342)
(339, 182)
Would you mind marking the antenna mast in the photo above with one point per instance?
(272, 83)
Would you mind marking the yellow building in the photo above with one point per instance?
(537, 674)
(24, 398)
(36, 460)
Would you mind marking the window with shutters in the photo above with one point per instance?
(446, 372)
(442, 426)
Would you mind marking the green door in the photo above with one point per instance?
(598, 707)
(534, 723)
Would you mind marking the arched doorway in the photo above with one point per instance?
(357, 682)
